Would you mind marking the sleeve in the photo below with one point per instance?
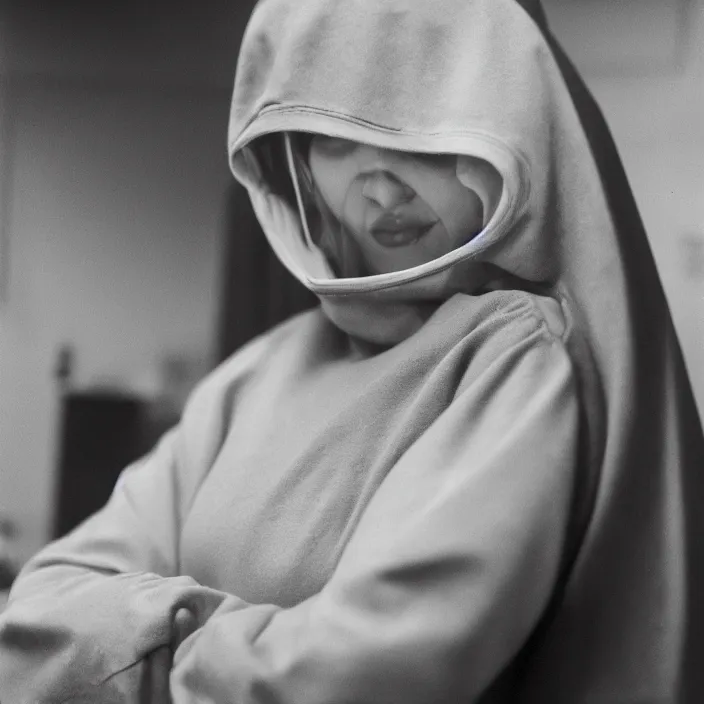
(446, 575)
(88, 614)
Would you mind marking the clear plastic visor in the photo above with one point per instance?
(373, 210)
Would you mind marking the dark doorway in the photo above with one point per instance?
(258, 291)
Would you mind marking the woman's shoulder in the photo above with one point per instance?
(500, 319)
(496, 330)
(507, 309)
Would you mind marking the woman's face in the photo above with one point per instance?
(402, 209)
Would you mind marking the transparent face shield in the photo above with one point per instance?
(373, 211)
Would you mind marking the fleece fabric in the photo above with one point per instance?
(477, 480)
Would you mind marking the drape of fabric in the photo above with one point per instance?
(579, 233)
(666, 425)
(472, 481)
(345, 536)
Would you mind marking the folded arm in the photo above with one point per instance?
(446, 575)
(93, 604)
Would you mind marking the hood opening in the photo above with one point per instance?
(356, 211)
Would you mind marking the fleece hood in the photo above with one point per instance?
(486, 79)
(475, 78)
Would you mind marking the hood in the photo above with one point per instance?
(486, 79)
(412, 82)
(476, 79)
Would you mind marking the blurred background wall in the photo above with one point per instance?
(116, 203)
(113, 191)
(644, 61)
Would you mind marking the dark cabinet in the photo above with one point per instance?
(101, 433)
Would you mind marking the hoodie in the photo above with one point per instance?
(474, 480)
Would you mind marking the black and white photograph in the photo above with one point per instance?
(352, 352)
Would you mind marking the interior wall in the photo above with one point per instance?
(113, 181)
(644, 62)
(659, 125)
(114, 238)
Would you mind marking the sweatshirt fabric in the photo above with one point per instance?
(477, 480)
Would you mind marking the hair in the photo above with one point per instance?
(327, 232)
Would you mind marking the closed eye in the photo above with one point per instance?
(438, 161)
(334, 146)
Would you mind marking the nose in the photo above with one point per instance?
(386, 190)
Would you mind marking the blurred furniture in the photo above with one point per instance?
(8, 567)
(101, 433)
(7, 570)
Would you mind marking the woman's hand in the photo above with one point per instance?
(155, 688)
(185, 623)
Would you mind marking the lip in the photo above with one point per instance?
(393, 231)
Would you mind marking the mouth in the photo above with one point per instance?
(392, 231)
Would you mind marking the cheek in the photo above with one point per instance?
(461, 212)
(332, 180)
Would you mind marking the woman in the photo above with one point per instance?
(473, 474)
